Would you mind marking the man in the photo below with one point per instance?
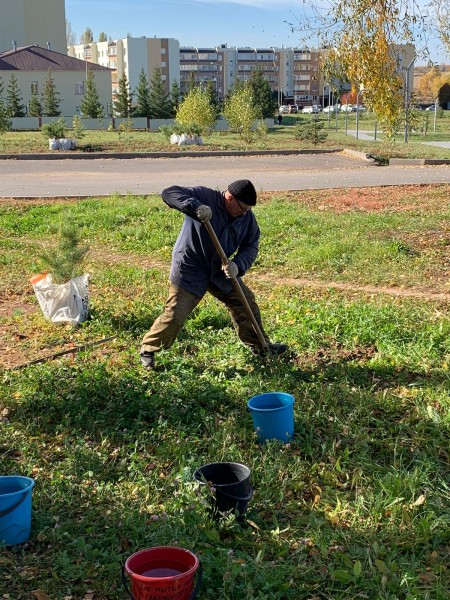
(197, 268)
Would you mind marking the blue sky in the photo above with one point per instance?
(200, 23)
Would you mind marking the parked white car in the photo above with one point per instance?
(432, 107)
(284, 110)
(348, 108)
(332, 108)
(314, 109)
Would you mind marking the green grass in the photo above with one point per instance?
(278, 138)
(357, 506)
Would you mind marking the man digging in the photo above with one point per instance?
(197, 267)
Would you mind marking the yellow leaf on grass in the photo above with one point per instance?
(420, 500)
(40, 595)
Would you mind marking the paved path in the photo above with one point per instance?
(369, 136)
(70, 178)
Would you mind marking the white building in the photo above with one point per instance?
(130, 55)
(29, 22)
(30, 66)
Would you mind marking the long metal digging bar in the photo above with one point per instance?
(236, 285)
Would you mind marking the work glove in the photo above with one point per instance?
(203, 212)
(231, 269)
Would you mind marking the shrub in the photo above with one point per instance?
(312, 131)
(55, 130)
(196, 110)
(64, 262)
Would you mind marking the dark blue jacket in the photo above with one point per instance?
(195, 262)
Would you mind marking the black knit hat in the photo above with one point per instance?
(243, 190)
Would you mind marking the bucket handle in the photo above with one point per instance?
(5, 512)
(191, 597)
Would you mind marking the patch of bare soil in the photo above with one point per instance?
(335, 354)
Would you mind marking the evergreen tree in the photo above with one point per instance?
(14, 108)
(159, 99)
(175, 97)
(212, 94)
(91, 106)
(444, 95)
(5, 121)
(102, 37)
(35, 108)
(262, 94)
(122, 101)
(192, 84)
(50, 101)
(142, 108)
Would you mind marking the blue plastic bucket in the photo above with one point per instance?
(273, 416)
(15, 509)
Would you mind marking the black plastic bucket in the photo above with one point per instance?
(230, 485)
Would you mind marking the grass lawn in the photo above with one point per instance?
(277, 138)
(357, 506)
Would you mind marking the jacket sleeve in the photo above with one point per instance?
(183, 199)
(248, 249)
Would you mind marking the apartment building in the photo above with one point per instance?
(293, 74)
(130, 55)
(33, 22)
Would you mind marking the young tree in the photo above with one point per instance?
(50, 100)
(311, 131)
(262, 94)
(102, 37)
(14, 107)
(87, 37)
(35, 108)
(159, 99)
(175, 97)
(5, 121)
(212, 95)
(91, 106)
(197, 110)
(143, 107)
(241, 113)
(122, 101)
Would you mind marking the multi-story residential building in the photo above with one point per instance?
(33, 22)
(293, 74)
(130, 55)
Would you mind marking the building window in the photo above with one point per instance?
(34, 87)
(79, 88)
(163, 50)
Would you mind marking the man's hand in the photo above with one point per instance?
(231, 269)
(203, 212)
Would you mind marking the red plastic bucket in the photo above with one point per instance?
(162, 573)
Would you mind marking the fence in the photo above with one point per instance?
(138, 123)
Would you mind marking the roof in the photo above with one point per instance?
(34, 58)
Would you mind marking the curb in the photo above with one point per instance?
(360, 155)
(418, 161)
(129, 155)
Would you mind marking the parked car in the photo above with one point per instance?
(359, 107)
(293, 109)
(348, 108)
(284, 110)
(314, 109)
(332, 108)
(432, 107)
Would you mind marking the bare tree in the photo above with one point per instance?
(71, 36)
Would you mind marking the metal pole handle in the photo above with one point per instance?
(236, 285)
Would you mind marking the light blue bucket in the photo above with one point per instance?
(273, 416)
(15, 509)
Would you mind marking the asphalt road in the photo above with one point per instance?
(71, 178)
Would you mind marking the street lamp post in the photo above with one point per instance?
(406, 71)
(361, 90)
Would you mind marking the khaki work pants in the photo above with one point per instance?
(181, 303)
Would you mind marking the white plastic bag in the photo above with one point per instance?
(174, 138)
(63, 303)
(53, 144)
(65, 143)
